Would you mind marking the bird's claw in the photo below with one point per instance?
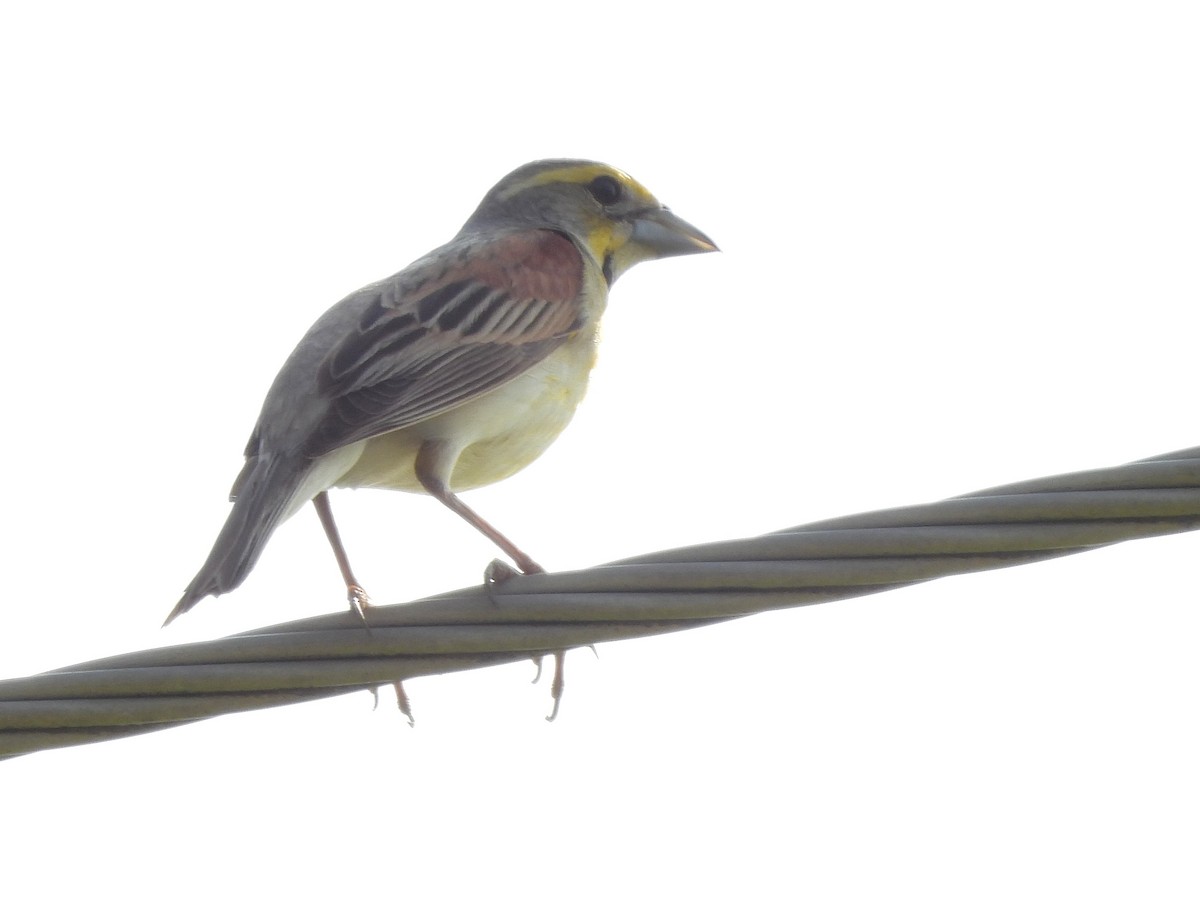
(359, 601)
(402, 702)
(557, 684)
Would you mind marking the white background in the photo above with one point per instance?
(960, 247)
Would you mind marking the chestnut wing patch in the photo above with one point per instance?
(470, 319)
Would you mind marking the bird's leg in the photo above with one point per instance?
(435, 460)
(359, 601)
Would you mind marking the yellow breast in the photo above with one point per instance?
(497, 434)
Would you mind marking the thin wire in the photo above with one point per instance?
(657, 593)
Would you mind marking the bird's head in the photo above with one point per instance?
(606, 212)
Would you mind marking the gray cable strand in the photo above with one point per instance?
(657, 593)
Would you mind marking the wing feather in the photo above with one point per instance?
(467, 321)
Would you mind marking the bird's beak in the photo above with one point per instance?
(660, 233)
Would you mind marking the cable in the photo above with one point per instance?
(656, 593)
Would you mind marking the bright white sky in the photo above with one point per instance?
(959, 250)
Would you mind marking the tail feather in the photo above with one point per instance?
(266, 492)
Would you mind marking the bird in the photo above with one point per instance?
(454, 373)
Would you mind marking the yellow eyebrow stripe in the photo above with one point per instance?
(580, 174)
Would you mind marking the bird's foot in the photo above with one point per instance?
(498, 572)
(359, 601)
(401, 701)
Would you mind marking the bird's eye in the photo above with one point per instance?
(606, 189)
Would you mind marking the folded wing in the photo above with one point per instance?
(470, 319)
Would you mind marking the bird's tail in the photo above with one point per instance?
(266, 491)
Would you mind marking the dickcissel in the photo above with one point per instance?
(454, 373)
